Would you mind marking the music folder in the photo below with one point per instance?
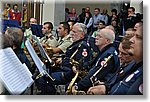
(14, 75)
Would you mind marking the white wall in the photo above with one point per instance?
(48, 10)
(53, 11)
(138, 5)
(59, 14)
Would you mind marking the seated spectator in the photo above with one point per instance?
(73, 15)
(100, 26)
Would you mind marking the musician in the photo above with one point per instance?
(64, 40)
(125, 61)
(81, 50)
(13, 38)
(136, 72)
(48, 40)
(16, 36)
(104, 41)
(132, 81)
(28, 32)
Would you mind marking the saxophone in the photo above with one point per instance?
(69, 89)
(77, 65)
(79, 74)
(93, 80)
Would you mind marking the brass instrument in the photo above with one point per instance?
(76, 64)
(93, 78)
(79, 74)
(69, 89)
(49, 51)
(36, 44)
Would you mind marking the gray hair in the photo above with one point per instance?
(111, 27)
(16, 35)
(109, 34)
(82, 27)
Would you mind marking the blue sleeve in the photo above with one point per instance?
(104, 74)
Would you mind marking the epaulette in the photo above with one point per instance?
(51, 37)
(68, 38)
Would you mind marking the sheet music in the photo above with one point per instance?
(27, 75)
(34, 56)
(42, 50)
(15, 76)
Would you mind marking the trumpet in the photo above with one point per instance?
(49, 50)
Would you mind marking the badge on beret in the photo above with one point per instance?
(141, 88)
(129, 77)
(84, 53)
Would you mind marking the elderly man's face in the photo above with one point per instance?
(100, 39)
(136, 48)
(76, 34)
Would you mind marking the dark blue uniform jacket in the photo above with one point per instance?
(81, 51)
(125, 85)
(106, 73)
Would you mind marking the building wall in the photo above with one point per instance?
(48, 11)
(138, 5)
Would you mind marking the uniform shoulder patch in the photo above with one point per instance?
(141, 88)
(51, 37)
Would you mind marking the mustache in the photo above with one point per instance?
(130, 53)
